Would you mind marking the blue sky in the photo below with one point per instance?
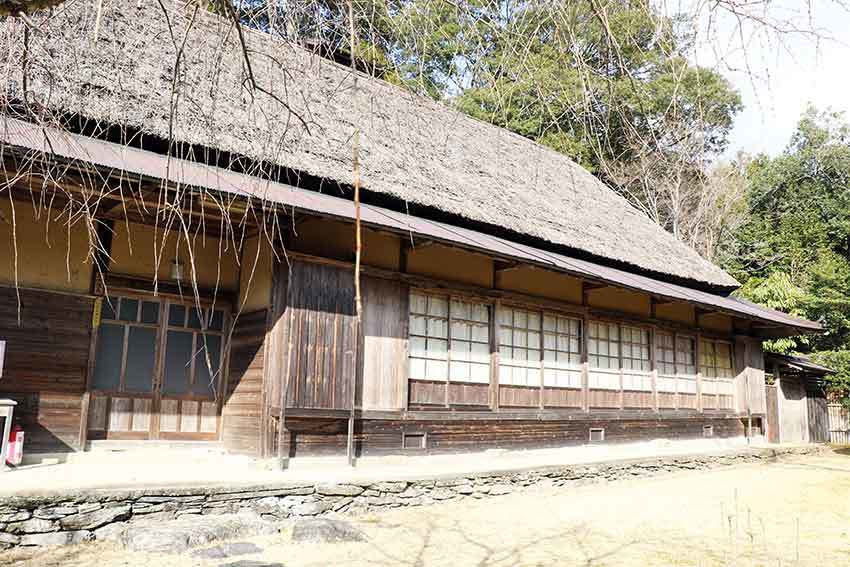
(786, 72)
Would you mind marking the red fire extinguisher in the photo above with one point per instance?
(15, 453)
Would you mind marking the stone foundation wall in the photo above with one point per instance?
(105, 514)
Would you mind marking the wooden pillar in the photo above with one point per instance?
(620, 363)
(542, 364)
(448, 348)
(585, 367)
(494, 357)
(279, 353)
(104, 229)
(698, 362)
(653, 364)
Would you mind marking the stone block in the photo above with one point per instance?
(57, 538)
(442, 494)
(11, 517)
(95, 519)
(325, 530)
(8, 539)
(111, 532)
(226, 550)
(339, 490)
(32, 526)
(394, 487)
(88, 507)
(179, 535)
(55, 513)
(311, 508)
(411, 492)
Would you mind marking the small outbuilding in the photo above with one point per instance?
(797, 410)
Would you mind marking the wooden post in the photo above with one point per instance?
(585, 367)
(620, 363)
(283, 437)
(494, 357)
(585, 386)
(357, 232)
(777, 380)
(448, 349)
(654, 363)
(622, 391)
(542, 365)
(698, 362)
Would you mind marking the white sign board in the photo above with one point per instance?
(2, 356)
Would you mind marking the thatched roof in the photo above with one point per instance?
(412, 148)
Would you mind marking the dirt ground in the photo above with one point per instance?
(796, 512)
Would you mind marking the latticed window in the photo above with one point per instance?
(603, 355)
(675, 359)
(716, 367)
(561, 351)
(603, 345)
(686, 364)
(686, 358)
(636, 361)
(519, 347)
(470, 342)
(665, 354)
(449, 339)
(635, 346)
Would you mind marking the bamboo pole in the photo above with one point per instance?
(357, 231)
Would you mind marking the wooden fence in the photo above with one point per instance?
(839, 424)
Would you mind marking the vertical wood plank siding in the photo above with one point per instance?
(243, 398)
(818, 414)
(46, 364)
(772, 397)
(323, 337)
(384, 359)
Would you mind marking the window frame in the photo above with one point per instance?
(570, 368)
(126, 326)
(717, 384)
(647, 369)
(197, 336)
(161, 327)
(620, 378)
(543, 312)
(530, 366)
(679, 378)
(449, 321)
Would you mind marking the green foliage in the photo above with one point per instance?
(598, 85)
(794, 251)
(777, 291)
(838, 382)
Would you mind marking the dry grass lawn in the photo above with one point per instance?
(796, 512)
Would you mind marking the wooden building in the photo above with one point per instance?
(178, 263)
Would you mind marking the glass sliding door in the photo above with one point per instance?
(191, 372)
(157, 370)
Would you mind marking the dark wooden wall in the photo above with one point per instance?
(47, 355)
(322, 337)
(242, 409)
(314, 436)
(818, 413)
